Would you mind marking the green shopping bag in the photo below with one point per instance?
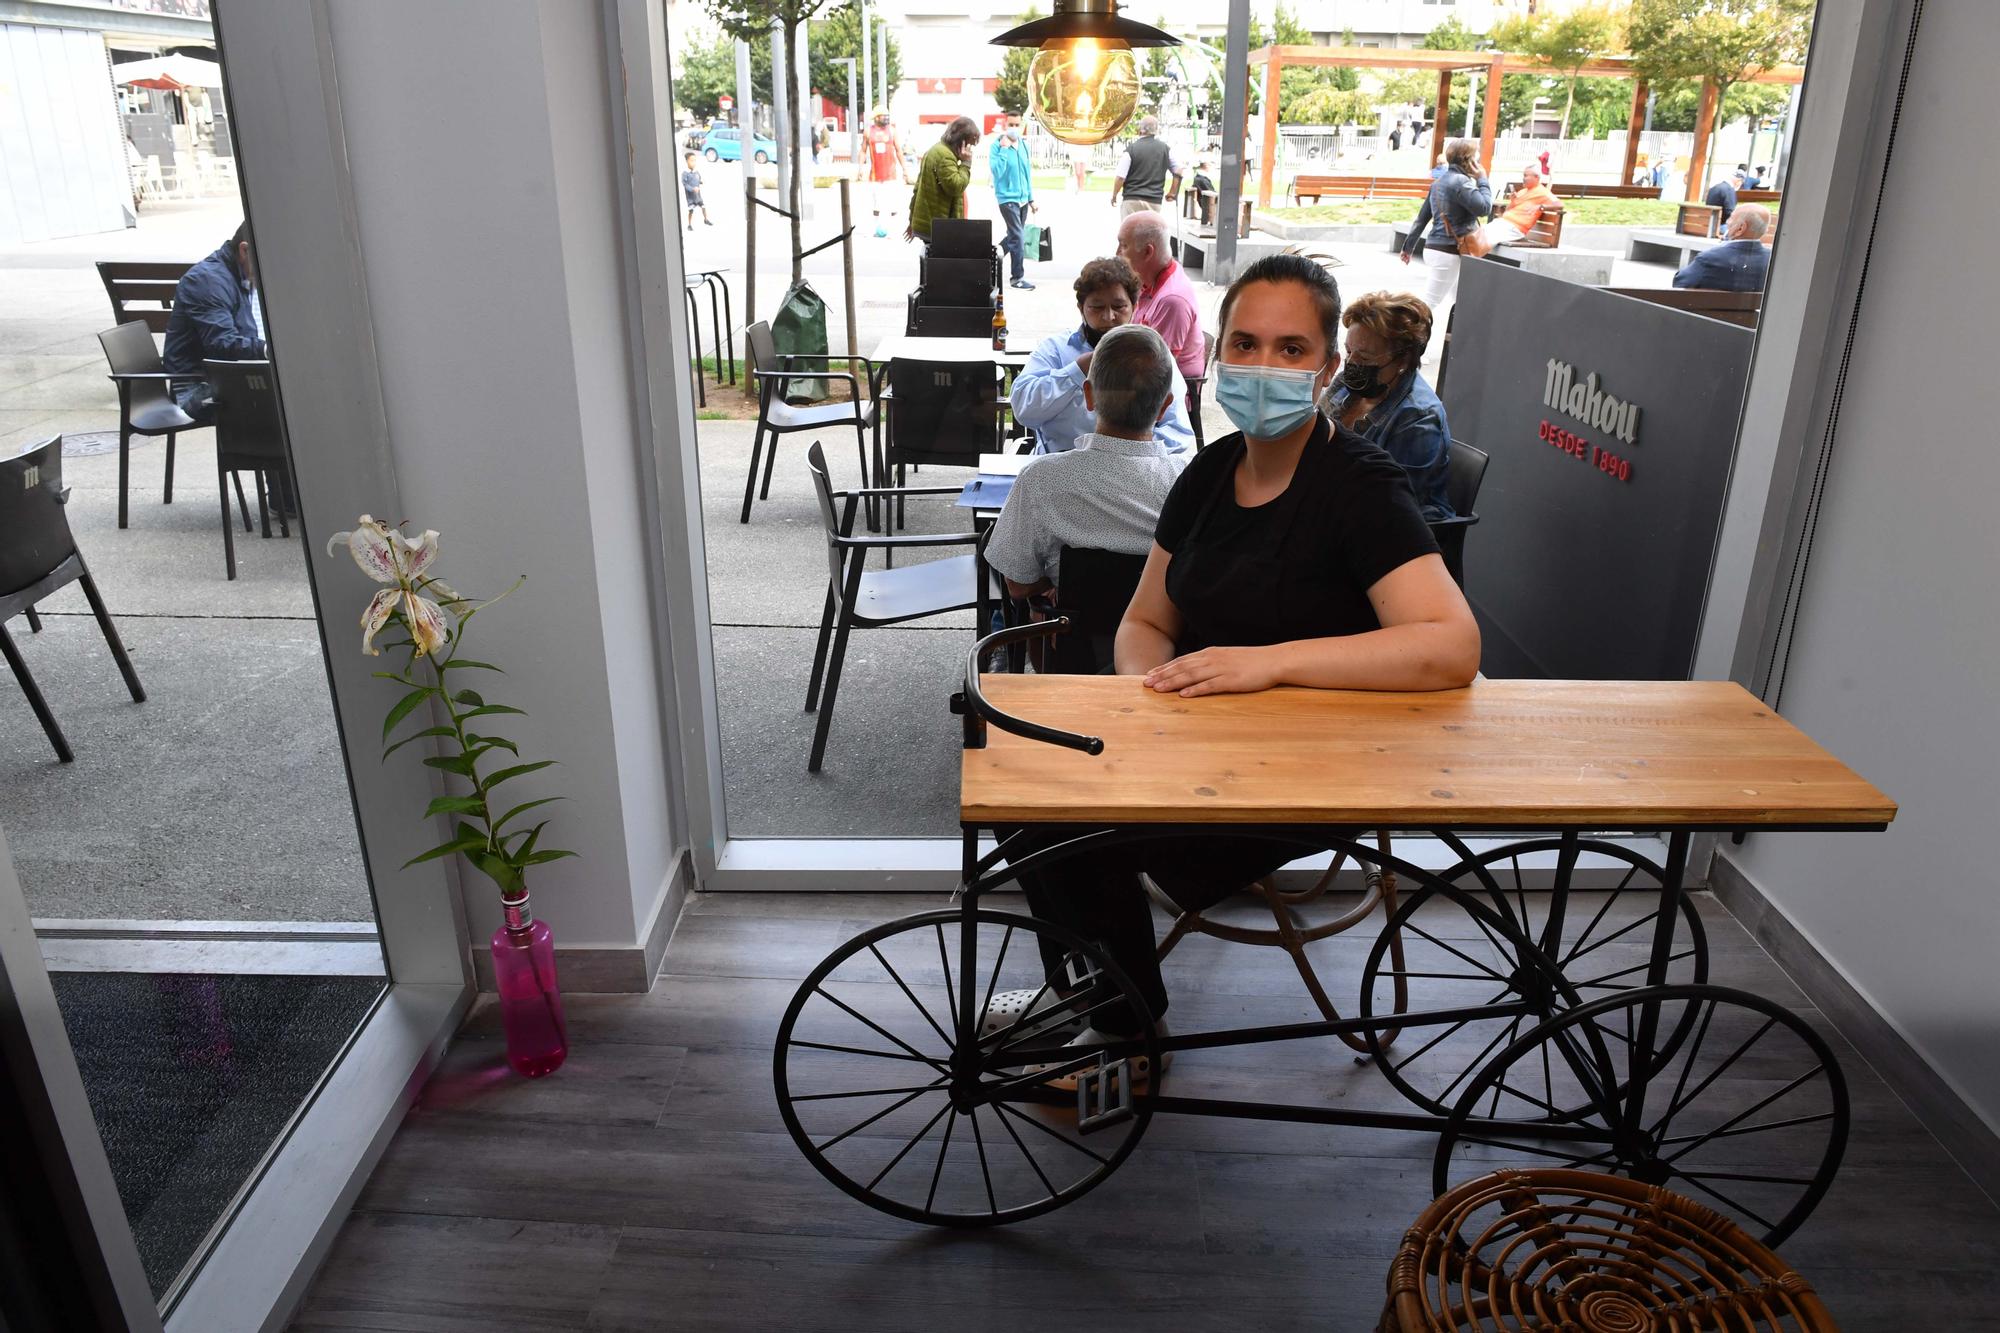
(800, 327)
(1031, 241)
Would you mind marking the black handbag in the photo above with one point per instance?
(1047, 250)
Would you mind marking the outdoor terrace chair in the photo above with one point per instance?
(1464, 471)
(145, 400)
(771, 372)
(38, 555)
(249, 437)
(945, 413)
(1093, 588)
(863, 598)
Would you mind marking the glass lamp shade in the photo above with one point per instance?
(1083, 90)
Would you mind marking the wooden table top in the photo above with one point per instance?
(948, 349)
(1506, 754)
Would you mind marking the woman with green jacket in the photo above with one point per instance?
(941, 179)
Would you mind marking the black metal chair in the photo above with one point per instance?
(1093, 588)
(946, 413)
(859, 597)
(770, 372)
(1195, 387)
(1464, 471)
(145, 400)
(38, 555)
(249, 437)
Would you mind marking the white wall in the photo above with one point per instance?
(62, 151)
(1893, 665)
(479, 136)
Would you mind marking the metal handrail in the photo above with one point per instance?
(978, 711)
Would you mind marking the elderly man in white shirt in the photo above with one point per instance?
(1048, 393)
(1106, 493)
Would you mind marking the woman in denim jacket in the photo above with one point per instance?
(1380, 395)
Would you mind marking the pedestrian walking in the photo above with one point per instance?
(1014, 190)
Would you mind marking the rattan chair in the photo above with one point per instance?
(1561, 1250)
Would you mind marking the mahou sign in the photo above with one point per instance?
(1611, 423)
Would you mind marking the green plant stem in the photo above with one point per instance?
(458, 733)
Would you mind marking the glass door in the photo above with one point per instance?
(172, 773)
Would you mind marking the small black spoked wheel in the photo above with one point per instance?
(1600, 940)
(1747, 1112)
(890, 1103)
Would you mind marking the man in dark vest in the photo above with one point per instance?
(1149, 175)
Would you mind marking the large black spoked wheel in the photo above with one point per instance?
(1747, 1112)
(891, 1104)
(1600, 940)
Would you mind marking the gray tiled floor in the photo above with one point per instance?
(649, 1184)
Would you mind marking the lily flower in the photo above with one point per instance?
(388, 557)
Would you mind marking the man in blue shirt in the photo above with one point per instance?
(216, 316)
(1013, 187)
(1740, 263)
(1048, 393)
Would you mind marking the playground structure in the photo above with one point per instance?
(1494, 65)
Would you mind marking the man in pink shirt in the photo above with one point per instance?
(1166, 297)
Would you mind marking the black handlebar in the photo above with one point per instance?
(974, 707)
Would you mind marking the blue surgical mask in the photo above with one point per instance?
(1265, 402)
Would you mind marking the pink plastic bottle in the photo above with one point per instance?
(524, 972)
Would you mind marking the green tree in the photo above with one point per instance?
(1729, 41)
(1327, 106)
(708, 73)
(752, 21)
(1676, 105)
(1012, 90)
(1566, 42)
(1453, 35)
(837, 37)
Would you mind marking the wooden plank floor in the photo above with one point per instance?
(649, 1184)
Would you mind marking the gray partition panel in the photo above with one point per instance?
(1611, 423)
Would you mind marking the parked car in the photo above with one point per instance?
(725, 144)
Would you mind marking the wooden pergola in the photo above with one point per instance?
(1494, 65)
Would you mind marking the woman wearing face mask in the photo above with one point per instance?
(1458, 203)
(1290, 553)
(1380, 395)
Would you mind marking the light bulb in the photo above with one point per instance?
(1083, 90)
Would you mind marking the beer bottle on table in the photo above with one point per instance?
(999, 322)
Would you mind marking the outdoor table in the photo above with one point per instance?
(1526, 1038)
(915, 348)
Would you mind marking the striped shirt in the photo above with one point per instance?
(1106, 493)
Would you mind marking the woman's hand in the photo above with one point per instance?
(1406, 256)
(1216, 671)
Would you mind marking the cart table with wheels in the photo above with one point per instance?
(1540, 1030)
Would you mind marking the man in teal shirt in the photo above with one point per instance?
(1013, 187)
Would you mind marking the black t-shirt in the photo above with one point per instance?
(1300, 566)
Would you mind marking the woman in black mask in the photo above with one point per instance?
(1380, 396)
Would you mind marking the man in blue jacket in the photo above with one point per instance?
(217, 315)
(1013, 187)
(1740, 263)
